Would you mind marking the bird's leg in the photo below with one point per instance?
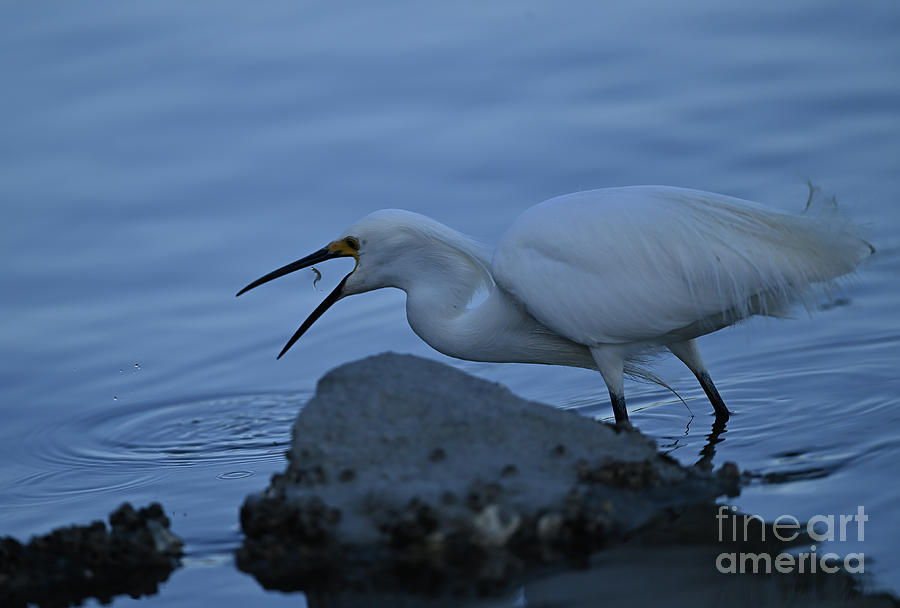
(611, 363)
(710, 389)
(689, 354)
(618, 406)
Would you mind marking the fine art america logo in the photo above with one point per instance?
(735, 528)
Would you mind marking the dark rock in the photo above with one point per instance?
(73, 563)
(455, 479)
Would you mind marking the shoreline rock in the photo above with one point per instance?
(73, 563)
(407, 473)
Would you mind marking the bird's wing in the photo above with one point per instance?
(624, 265)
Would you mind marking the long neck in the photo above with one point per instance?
(498, 330)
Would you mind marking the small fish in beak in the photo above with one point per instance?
(336, 249)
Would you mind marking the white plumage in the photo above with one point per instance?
(642, 262)
(594, 279)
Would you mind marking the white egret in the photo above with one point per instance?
(594, 279)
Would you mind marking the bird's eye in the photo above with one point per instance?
(352, 243)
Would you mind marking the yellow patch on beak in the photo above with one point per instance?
(343, 249)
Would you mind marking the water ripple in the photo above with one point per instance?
(142, 445)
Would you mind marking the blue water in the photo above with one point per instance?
(157, 156)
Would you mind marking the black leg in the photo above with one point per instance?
(710, 389)
(618, 405)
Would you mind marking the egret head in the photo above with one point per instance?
(385, 244)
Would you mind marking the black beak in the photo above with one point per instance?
(314, 258)
(319, 256)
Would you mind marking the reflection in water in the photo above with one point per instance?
(709, 448)
(686, 576)
(669, 567)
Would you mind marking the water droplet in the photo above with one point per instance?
(115, 397)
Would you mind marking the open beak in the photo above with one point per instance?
(337, 249)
